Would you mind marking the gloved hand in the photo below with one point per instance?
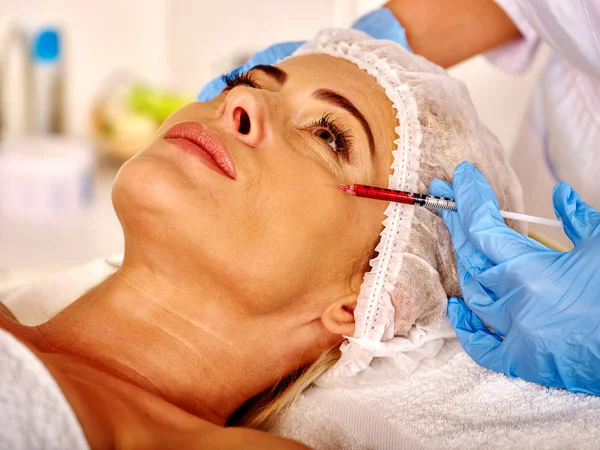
(544, 305)
(379, 24)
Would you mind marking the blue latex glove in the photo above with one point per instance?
(380, 24)
(543, 304)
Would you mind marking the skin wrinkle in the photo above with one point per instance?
(156, 324)
(227, 286)
(327, 161)
(264, 223)
(255, 182)
(257, 204)
(158, 329)
(326, 96)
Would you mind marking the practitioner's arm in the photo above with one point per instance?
(450, 31)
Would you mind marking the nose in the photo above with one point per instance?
(245, 115)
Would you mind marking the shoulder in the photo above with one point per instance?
(206, 436)
(238, 438)
(158, 424)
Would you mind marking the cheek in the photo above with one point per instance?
(359, 232)
(282, 230)
(322, 235)
(302, 224)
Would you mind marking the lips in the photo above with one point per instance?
(205, 144)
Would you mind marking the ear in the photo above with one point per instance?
(338, 318)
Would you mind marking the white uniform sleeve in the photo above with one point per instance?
(570, 27)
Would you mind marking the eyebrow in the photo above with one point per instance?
(274, 72)
(327, 96)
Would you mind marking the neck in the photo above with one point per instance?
(179, 344)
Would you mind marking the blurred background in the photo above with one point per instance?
(83, 85)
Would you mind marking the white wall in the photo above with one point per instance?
(208, 38)
(177, 43)
(184, 43)
(99, 39)
(500, 98)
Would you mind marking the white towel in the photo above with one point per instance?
(34, 413)
(459, 405)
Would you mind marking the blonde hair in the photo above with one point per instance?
(260, 411)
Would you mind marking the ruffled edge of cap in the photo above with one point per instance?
(374, 313)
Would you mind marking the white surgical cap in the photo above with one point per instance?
(401, 308)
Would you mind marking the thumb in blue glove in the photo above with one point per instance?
(579, 220)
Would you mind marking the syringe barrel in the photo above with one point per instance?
(440, 203)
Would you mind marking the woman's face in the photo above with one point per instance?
(279, 233)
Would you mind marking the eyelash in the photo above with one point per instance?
(342, 136)
(234, 79)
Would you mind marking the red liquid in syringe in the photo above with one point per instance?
(390, 195)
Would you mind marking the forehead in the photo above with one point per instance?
(331, 68)
(346, 78)
(337, 74)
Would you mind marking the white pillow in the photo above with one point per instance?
(36, 302)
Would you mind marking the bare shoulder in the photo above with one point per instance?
(245, 438)
(202, 435)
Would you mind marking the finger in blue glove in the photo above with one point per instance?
(474, 336)
(474, 261)
(580, 221)
(480, 217)
(470, 262)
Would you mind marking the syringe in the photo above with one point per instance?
(430, 201)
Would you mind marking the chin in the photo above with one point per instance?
(155, 203)
(147, 186)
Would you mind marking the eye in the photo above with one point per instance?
(333, 134)
(326, 135)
